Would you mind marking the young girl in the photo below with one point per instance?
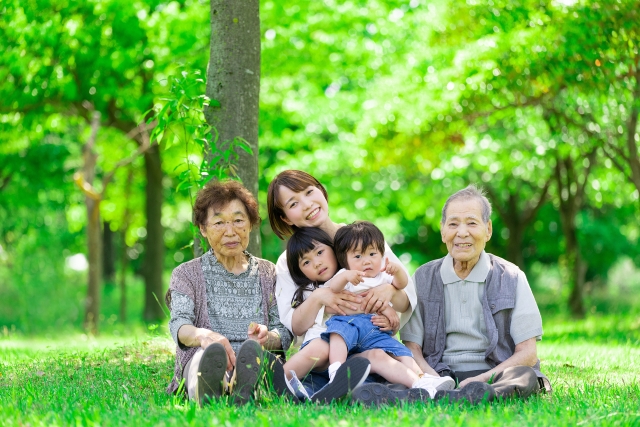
(312, 263)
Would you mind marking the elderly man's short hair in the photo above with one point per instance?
(471, 192)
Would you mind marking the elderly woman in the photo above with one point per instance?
(223, 309)
(296, 199)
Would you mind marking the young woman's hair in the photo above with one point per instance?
(359, 235)
(303, 241)
(294, 180)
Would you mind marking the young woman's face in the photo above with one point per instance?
(319, 264)
(368, 260)
(307, 208)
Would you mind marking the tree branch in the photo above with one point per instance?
(531, 213)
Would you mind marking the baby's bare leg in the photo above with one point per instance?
(410, 363)
(389, 368)
(338, 351)
(314, 355)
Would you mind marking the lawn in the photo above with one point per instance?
(593, 365)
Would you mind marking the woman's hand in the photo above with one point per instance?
(258, 332)
(206, 337)
(338, 301)
(387, 320)
(377, 298)
(305, 314)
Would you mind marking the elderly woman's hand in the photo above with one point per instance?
(206, 337)
(258, 332)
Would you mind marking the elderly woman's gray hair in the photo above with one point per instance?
(470, 192)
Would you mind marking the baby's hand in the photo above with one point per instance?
(391, 268)
(354, 276)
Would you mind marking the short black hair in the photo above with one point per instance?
(358, 235)
(301, 242)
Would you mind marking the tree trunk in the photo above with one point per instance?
(514, 244)
(233, 79)
(94, 244)
(571, 192)
(154, 250)
(124, 257)
(122, 285)
(574, 263)
(517, 218)
(108, 254)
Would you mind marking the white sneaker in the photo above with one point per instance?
(295, 387)
(437, 383)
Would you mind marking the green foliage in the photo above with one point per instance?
(417, 100)
(393, 105)
(189, 142)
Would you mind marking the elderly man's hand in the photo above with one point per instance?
(206, 337)
(481, 378)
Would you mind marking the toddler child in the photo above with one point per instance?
(313, 261)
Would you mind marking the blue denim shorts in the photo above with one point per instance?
(360, 335)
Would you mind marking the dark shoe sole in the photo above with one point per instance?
(213, 366)
(248, 361)
(376, 394)
(473, 393)
(274, 371)
(348, 377)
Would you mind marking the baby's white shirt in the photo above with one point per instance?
(320, 324)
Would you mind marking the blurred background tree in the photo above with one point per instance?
(393, 105)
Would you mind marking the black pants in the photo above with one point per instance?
(516, 381)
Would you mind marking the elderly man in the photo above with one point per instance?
(476, 319)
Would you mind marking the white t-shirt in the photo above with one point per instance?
(285, 288)
(320, 324)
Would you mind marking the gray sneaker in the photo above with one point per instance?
(274, 370)
(376, 394)
(211, 371)
(348, 377)
(474, 393)
(248, 361)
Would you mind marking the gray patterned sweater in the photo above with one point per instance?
(204, 294)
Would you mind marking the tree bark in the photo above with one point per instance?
(154, 250)
(571, 192)
(94, 243)
(108, 254)
(124, 257)
(517, 218)
(233, 79)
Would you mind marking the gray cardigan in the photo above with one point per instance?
(188, 279)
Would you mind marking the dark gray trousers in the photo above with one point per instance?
(516, 381)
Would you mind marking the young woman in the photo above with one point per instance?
(296, 199)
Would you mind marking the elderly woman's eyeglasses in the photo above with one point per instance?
(220, 225)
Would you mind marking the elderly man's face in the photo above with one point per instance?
(464, 232)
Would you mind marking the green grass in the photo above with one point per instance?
(76, 380)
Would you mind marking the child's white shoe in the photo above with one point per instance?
(295, 387)
(437, 383)
(333, 368)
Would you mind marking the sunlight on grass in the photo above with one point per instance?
(78, 380)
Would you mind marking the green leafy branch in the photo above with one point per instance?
(180, 121)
